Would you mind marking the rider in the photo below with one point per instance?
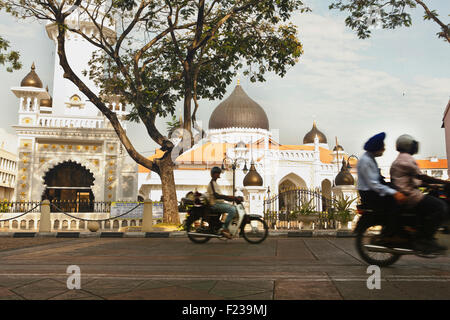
(407, 177)
(374, 191)
(216, 200)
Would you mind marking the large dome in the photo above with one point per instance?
(309, 137)
(238, 111)
(32, 79)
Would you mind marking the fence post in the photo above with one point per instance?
(45, 224)
(147, 220)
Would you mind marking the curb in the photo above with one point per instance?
(173, 234)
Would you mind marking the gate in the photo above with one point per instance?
(290, 207)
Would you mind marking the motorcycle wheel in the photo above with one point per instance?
(364, 237)
(194, 225)
(255, 230)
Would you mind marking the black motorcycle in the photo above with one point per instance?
(370, 224)
(203, 224)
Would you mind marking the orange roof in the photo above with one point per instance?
(427, 164)
(207, 153)
(158, 154)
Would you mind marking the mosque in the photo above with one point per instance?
(239, 133)
(69, 151)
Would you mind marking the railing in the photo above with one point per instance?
(81, 206)
(70, 122)
(284, 210)
(18, 207)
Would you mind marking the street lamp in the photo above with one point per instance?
(348, 160)
(227, 161)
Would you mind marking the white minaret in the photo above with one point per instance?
(67, 99)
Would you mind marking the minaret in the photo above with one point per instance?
(67, 98)
(30, 93)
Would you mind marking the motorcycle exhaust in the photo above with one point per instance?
(382, 249)
(209, 235)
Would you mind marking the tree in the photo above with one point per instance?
(11, 58)
(389, 14)
(164, 51)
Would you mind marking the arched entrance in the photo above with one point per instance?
(70, 183)
(326, 194)
(289, 182)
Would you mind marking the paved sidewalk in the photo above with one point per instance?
(158, 269)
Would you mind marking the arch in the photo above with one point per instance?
(124, 223)
(65, 225)
(15, 224)
(47, 166)
(31, 224)
(73, 224)
(326, 188)
(294, 179)
(82, 225)
(56, 224)
(289, 182)
(23, 224)
(107, 224)
(116, 224)
(133, 223)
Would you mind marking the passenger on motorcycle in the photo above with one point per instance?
(407, 177)
(374, 192)
(216, 200)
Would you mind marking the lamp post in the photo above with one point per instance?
(234, 163)
(348, 160)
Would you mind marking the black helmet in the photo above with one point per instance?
(406, 143)
(215, 170)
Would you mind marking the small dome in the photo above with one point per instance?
(47, 102)
(252, 178)
(238, 111)
(344, 177)
(32, 79)
(338, 148)
(241, 144)
(309, 137)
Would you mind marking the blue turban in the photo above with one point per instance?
(375, 143)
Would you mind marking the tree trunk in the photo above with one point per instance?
(169, 192)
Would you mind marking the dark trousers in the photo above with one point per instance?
(431, 212)
(386, 205)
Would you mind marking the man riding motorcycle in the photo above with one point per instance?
(216, 200)
(375, 192)
(406, 178)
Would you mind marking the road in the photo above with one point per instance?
(155, 268)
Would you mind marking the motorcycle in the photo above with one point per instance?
(202, 224)
(370, 224)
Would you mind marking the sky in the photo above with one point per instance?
(397, 81)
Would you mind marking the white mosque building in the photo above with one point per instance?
(67, 149)
(239, 131)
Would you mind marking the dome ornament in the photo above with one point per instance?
(310, 136)
(32, 79)
(344, 177)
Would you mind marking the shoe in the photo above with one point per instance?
(226, 233)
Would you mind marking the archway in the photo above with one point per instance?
(69, 184)
(287, 199)
(326, 194)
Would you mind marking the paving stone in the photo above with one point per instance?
(231, 289)
(6, 294)
(166, 293)
(293, 289)
(76, 295)
(41, 289)
(104, 287)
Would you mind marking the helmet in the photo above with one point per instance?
(406, 143)
(215, 170)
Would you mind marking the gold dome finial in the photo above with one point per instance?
(32, 79)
